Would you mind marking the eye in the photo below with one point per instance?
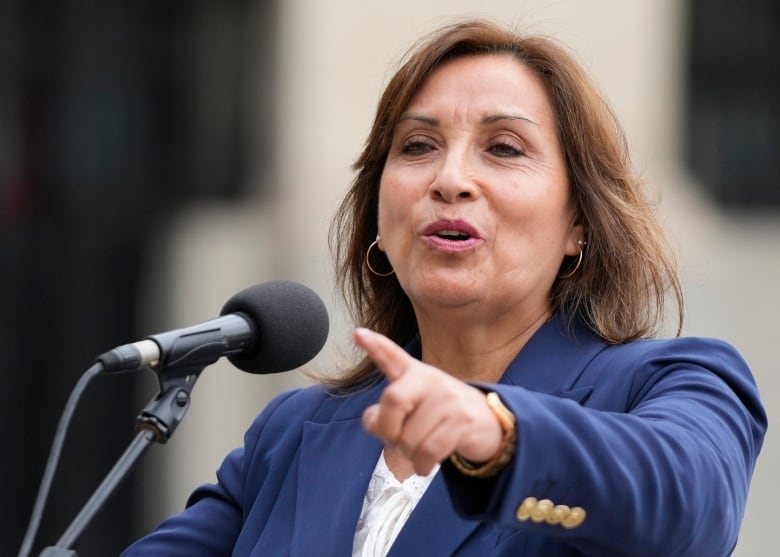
(505, 148)
(417, 145)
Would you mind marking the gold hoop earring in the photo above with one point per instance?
(375, 243)
(570, 274)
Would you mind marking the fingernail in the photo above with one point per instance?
(362, 332)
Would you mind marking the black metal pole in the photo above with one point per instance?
(156, 423)
(115, 477)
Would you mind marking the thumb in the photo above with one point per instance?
(370, 417)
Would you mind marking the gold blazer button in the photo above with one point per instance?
(526, 507)
(542, 509)
(557, 515)
(574, 518)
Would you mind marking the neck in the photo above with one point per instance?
(476, 350)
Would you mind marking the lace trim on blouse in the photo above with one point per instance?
(386, 508)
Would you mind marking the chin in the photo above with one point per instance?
(446, 294)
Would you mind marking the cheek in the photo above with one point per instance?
(541, 220)
(382, 209)
(394, 203)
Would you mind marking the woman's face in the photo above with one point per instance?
(474, 201)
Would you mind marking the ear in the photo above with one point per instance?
(379, 243)
(578, 234)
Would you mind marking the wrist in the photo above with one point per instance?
(506, 449)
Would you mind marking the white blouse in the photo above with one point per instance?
(386, 507)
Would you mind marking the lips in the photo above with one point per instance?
(451, 235)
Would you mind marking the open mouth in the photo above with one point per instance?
(451, 229)
(453, 235)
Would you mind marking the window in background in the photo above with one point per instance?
(733, 100)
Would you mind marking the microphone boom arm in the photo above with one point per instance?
(289, 318)
(155, 424)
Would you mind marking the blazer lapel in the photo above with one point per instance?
(554, 359)
(434, 528)
(337, 460)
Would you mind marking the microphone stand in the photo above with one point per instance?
(156, 423)
(132, 454)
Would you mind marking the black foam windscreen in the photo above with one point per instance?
(290, 321)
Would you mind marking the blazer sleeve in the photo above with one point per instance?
(213, 517)
(659, 458)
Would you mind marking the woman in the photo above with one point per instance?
(496, 232)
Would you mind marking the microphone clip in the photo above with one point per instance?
(164, 413)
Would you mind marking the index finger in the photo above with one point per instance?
(391, 359)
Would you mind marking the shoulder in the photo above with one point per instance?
(653, 355)
(635, 368)
(283, 419)
(708, 352)
(657, 365)
(288, 409)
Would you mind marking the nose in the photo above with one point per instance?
(454, 180)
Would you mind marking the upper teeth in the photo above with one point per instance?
(453, 233)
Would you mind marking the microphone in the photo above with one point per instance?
(267, 328)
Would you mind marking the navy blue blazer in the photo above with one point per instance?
(655, 439)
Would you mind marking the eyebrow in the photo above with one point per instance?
(424, 119)
(498, 117)
(492, 119)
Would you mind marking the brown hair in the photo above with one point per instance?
(627, 269)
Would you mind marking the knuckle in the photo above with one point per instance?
(432, 451)
(391, 397)
(435, 448)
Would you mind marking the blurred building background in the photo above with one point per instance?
(156, 157)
